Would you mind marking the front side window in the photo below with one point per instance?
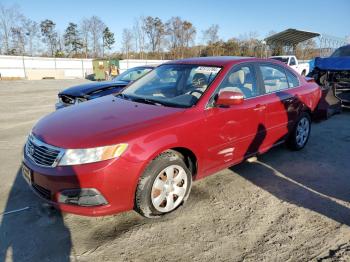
(274, 78)
(240, 79)
(173, 85)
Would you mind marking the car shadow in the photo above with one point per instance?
(34, 234)
(281, 185)
(300, 180)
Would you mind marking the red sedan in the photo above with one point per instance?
(187, 119)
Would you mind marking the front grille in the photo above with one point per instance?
(41, 153)
(45, 193)
(67, 99)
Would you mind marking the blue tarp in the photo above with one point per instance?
(333, 63)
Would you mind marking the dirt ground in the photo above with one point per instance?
(287, 206)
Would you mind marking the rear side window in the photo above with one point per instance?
(293, 80)
(274, 78)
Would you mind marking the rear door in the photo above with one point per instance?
(282, 104)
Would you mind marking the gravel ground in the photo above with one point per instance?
(286, 206)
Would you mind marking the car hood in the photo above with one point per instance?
(104, 121)
(86, 89)
(333, 63)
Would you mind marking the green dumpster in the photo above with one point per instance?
(105, 69)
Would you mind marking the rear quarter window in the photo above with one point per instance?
(293, 80)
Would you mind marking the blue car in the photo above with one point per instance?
(81, 93)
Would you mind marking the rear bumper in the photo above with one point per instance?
(115, 180)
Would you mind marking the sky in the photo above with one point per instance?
(235, 18)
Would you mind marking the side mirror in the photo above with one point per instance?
(229, 98)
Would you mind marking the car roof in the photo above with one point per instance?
(144, 66)
(213, 60)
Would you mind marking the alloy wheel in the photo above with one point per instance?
(303, 130)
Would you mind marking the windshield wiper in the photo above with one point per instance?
(147, 101)
(140, 99)
(150, 101)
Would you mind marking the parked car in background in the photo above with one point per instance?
(81, 93)
(302, 68)
(186, 119)
(333, 73)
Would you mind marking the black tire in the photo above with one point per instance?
(143, 200)
(303, 73)
(292, 141)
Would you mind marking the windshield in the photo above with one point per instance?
(132, 74)
(342, 51)
(281, 59)
(172, 85)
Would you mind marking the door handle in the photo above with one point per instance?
(259, 107)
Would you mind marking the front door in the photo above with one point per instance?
(234, 133)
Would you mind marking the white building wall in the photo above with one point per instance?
(34, 68)
(129, 63)
(43, 67)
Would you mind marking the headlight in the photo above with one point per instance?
(90, 155)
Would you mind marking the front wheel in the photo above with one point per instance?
(164, 186)
(300, 133)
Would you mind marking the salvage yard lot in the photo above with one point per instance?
(286, 206)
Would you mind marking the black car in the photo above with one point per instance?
(81, 93)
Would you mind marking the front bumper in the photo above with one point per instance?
(114, 180)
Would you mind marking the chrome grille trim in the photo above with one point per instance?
(42, 154)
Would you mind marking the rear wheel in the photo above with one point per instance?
(300, 133)
(164, 186)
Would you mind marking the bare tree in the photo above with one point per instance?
(174, 31)
(189, 34)
(139, 35)
(8, 19)
(306, 50)
(85, 35)
(31, 31)
(154, 29)
(60, 45)
(18, 41)
(96, 30)
(181, 35)
(211, 35)
(127, 40)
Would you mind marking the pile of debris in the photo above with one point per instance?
(333, 75)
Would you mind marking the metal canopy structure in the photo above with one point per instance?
(290, 37)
